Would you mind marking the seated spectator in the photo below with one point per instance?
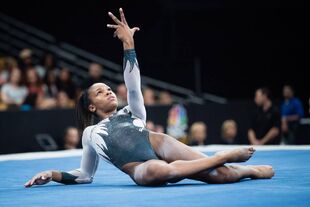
(11, 63)
(154, 128)
(149, 97)
(26, 62)
(13, 93)
(165, 98)
(121, 94)
(63, 101)
(7, 64)
(95, 75)
(229, 132)
(35, 88)
(49, 63)
(198, 134)
(265, 124)
(150, 125)
(65, 83)
(4, 73)
(50, 81)
(291, 112)
(25, 58)
(71, 138)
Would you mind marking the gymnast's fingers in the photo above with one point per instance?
(123, 19)
(115, 19)
(30, 182)
(112, 26)
(135, 29)
(27, 184)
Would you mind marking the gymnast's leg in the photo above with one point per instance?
(159, 172)
(169, 149)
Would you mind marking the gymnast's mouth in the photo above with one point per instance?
(110, 98)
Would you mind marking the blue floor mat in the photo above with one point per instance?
(289, 187)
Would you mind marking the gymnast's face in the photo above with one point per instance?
(101, 98)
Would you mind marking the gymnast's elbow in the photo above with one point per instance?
(85, 180)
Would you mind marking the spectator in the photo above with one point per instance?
(37, 91)
(159, 128)
(7, 64)
(154, 128)
(229, 132)
(165, 98)
(95, 75)
(63, 100)
(11, 63)
(27, 62)
(265, 126)
(198, 134)
(149, 97)
(25, 56)
(291, 112)
(50, 81)
(65, 83)
(13, 93)
(49, 63)
(71, 138)
(35, 88)
(150, 125)
(121, 94)
(4, 73)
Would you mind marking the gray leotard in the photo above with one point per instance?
(122, 139)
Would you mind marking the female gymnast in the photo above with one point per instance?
(120, 138)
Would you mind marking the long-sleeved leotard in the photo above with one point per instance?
(119, 139)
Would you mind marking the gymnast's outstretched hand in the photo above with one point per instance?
(122, 30)
(39, 179)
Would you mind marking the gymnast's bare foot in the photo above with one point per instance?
(262, 171)
(237, 155)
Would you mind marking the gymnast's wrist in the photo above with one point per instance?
(128, 44)
(56, 176)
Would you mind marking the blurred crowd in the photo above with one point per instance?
(26, 85)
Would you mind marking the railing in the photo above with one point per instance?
(15, 35)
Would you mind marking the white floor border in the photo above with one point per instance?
(78, 152)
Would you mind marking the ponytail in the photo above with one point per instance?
(84, 116)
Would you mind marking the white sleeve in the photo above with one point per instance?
(133, 84)
(89, 162)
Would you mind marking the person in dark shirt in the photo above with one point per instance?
(291, 112)
(265, 125)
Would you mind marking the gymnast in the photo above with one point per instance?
(120, 138)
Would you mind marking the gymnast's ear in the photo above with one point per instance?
(92, 108)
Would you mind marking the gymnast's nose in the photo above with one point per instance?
(108, 93)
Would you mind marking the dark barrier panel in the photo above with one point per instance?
(43, 130)
(20, 131)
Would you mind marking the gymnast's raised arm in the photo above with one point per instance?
(130, 65)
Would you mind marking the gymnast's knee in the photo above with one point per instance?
(159, 173)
